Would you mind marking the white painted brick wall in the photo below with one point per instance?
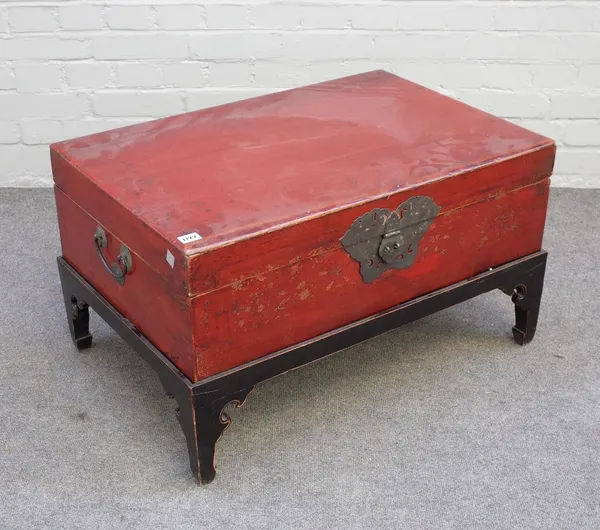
(174, 17)
(90, 74)
(75, 67)
(81, 17)
(36, 77)
(128, 17)
(32, 19)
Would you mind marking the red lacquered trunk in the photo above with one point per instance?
(308, 209)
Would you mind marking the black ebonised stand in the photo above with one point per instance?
(201, 405)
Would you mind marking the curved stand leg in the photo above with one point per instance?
(203, 420)
(526, 294)
(78, 315)
(80, 324)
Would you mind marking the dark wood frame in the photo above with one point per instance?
(201, 405)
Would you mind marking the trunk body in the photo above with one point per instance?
(280, 191)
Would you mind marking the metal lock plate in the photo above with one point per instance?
(380, 240)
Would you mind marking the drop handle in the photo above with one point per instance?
(119, 269)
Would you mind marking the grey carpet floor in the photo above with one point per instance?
(442, 424)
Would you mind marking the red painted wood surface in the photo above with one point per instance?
(237, 170)
(271, 184)
(161, 314)
(277, 309)
(282, 248)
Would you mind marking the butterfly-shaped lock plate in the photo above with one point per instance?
(380, 240)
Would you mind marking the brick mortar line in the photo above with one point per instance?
(309, 3)
(71, 34)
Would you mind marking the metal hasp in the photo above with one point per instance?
(380, 240)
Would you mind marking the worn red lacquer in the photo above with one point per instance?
(271, 184)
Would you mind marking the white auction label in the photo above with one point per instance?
(189, 238)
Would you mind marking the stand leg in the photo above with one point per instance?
(203, 420)
(78, 316)
(526, 294)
